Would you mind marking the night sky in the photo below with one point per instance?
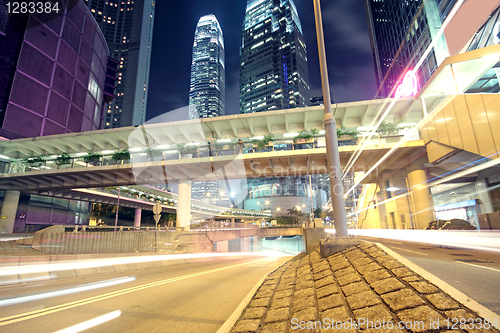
(349, 60)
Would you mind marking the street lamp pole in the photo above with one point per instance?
(332, 151)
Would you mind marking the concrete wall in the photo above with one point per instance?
(135, 241)
(312, 236)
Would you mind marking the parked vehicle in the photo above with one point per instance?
(434, 225)
(457, 224)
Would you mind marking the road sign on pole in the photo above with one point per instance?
(157, 210)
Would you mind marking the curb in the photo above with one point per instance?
(229, 323)
(456, 294)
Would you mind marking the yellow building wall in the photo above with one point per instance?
(467, 122)
(368, 218)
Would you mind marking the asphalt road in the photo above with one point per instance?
(196, 297)
(475, 273)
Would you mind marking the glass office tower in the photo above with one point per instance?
(128, 29)
(400, 32)
(207, 87)
(273, 58)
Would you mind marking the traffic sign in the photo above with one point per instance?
(157, 210)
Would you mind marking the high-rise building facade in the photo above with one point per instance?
(55, 77)
(400, 33)
(273, 58)
(207, 87)
(128, 29)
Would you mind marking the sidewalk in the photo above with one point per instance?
(361, 289)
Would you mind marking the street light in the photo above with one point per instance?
(332, 149)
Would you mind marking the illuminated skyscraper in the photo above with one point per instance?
(400, 33)
(207, 87)
(128, 29)
(273, 58)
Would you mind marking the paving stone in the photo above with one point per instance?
(402, 299)
(384, 258)
(309, 314)
(303, 293)
(369, 268)
(361, 262)
(344, 271)
(391, 264)
(285, 286)
(324, 282)
(303, 303)
(401, 272)
(377, 254)
(355, 288)
(377, 275)
(306, 270)
(347, 279)
(424, 287)
(320, 275)
(411, 278)
(368, 317)
(442, 301)
(264, 293)
(329, 302)
(338, 314)
(365, 246)
(259, 302)
(339, 265)
(246, 326)
(304, 284)
(355, 255)
(387, 285)
(422, 318)
(275, 315)
(280, 327)
(320, 268)
(327, 290)
(459, 314)
(280, 303)
(271, 281)
(283, 294)
(386, 330)
(364, 299)
(267, 287)
(254, 313)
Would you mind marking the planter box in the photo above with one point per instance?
(302, 140)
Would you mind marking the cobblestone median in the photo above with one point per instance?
(361, 289)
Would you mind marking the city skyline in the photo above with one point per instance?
(346, 37)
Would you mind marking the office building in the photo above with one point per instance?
(56, 77)
(273, 58)
(207, 87)
(128, 29)
(400, 33)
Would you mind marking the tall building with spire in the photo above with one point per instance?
(207, 87)
(128, 29)
(273, 58)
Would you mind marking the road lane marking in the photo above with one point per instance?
(91, 323)
(466, 263)
(38, 313)
(425, 254)
(394, 242)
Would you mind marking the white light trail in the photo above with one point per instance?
(91, 323)
(86, 287)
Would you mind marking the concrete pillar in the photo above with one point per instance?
(137, 217)
(421, 199)
(184, 204)
(484, 196)
(9, 211)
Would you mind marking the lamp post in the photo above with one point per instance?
(332, 151)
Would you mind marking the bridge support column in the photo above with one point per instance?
(137, 217)
(421, 199)
(184, 204)
(9, 211)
